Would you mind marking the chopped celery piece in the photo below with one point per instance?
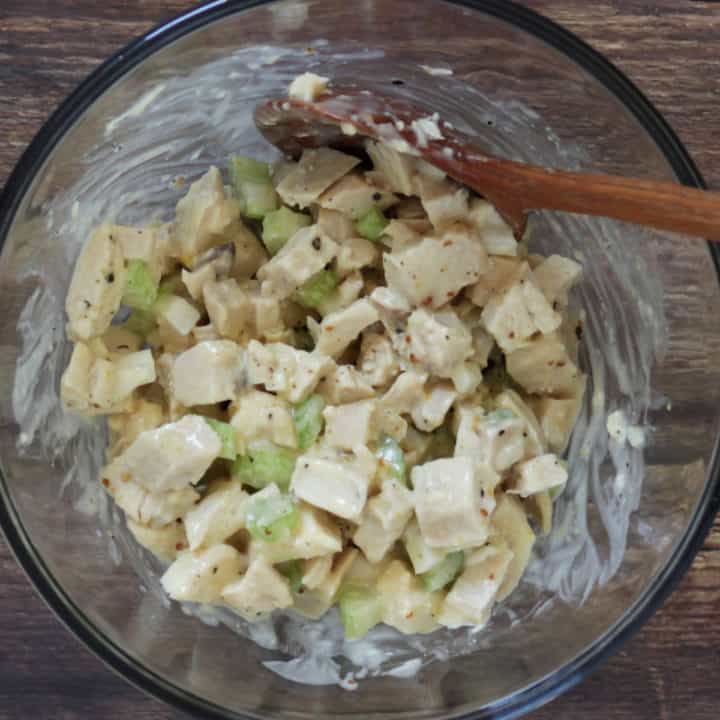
(392, 459)
(247, 169)
(280, 225)
(360, 610)
(271, 518)
(316, 290)
(442, 574)
(265, 465)
(259, 199)
(141, 289)
(501, 415)
(140, 322)
(308, 419)
(226, 433)
(371, 225)
(292, 570)
(442, 445)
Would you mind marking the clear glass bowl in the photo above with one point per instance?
(181, 98)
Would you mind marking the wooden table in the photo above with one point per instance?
(670, 49)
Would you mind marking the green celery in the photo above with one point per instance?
(247, 169)
(226, 433)
(140, 290)
(371, 225)
(271, 518)
(140, 322)
(308, 419)
(260, 199)
(442, 574)
(392, 459)
(292, 570)
(266, 464)
(360, 610)
(317, 289)
(280, 225)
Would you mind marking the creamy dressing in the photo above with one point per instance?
(182, 118)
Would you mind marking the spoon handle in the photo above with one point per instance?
(662, 205)
(513, 187)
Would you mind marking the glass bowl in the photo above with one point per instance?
(180, 98)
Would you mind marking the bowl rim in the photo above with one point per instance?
(119, 64)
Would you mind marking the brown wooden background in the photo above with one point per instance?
(671, 49)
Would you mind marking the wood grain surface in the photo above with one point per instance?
(670, 49)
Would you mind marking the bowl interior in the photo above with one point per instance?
(650, 344)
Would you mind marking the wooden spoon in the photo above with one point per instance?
(342, 117)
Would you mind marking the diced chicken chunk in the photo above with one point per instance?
(535, 443)
(345, 294)
(377, 360)
(261, 416)
(209, 372)
(125, 427)
(307, 87)
(350, 425)
(335, 225)
(432, 406)
(339, 329)
(229, 309)
(516, 313)
(453, 501)
(496, 235)
(421, 555)
(405, 392)
(544, 367)
(557, 416)
(345, 384)
(471, 598)
(354, 196)
(203, 215)
(407, 606)
(260, 591)
(292, 374)
(304, 255)
(92, 384)
(161, 541)
(97, 285)
(151, 509)
(316, 535)
(438, 342)
(384, 520)
(317, 601)
(250, 253)
(219, 515)
(315, 173)
(544, 472)
(141, 244)
(445, 202)
(495, 438)
(555, 276)
(316, 570)
(201, 576)
(502, 273)
(355, 253)
(333, 481)
(433, 271)
(169, 458)
(397, 169)
(510, 521)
